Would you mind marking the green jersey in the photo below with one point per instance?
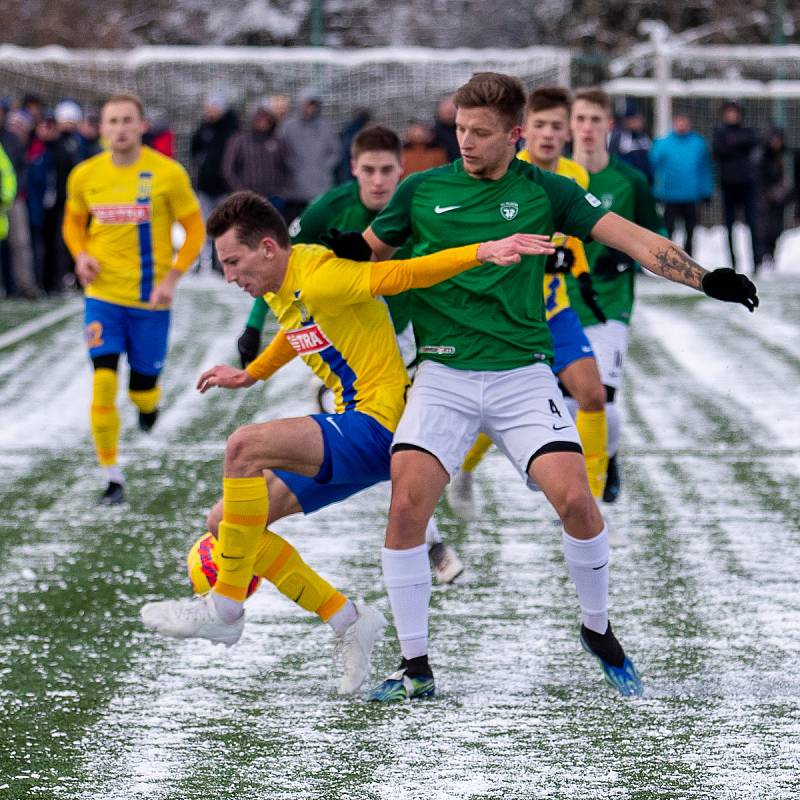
(625, 191)
(489, 318)
(340, 208)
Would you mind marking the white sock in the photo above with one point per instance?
(343, 618)
(407, 576)
(587, 564)
(114, 474)
(228, 610)
(614, 423)
(432, 535)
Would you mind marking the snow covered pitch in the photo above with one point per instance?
(705, 547)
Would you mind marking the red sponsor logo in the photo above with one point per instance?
(309, 339)
(122, 214)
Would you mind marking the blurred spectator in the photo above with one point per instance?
(630, 140)
(89, 131)
(33, 105)
(736, 151)
(158, 133)
(255, 159)
(775, 193)
(349, 132)
(312, 151)
(280, 105)
(51, 157)
(207, 149)
(17, 135)
(681, 165)
(444, 128)
(8, 190)
(419, 150)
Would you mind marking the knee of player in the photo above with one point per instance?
(240, 452)
(577, 503)
(593, 399)
(405, 509)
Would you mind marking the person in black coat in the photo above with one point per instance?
(735, 149)
(207, 149)
(774, 194)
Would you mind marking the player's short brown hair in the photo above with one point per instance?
(251, 216)
(126, 97)
(546, 97)
(376, 138)
(596, 96)
(502, 93)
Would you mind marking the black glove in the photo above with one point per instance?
(249, 343)
(589, 296)
(612, 262)
(731, 286)
(347, 244)
(561, 261)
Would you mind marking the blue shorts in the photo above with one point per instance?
(569, 340)
(357, 454)
(139, 332)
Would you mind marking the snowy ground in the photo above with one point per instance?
(704, 590)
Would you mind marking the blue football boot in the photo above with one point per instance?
(617, 668)
(412, 680)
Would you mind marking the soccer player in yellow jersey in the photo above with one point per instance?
(121, 205)
(329, 314)
(546, 132)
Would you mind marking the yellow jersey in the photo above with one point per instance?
(555, 285)
(327, 312)
(132, 210)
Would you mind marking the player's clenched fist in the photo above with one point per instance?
(87, 268)
(224, 377)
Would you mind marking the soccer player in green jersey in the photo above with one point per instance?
(485, 353)
(377, 164)
(625, 191)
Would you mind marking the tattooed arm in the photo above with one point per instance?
(662, 257)
(655, 253)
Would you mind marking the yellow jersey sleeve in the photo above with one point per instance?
(182, 198)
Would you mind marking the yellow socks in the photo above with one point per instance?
(245, 506)
(145, 400)
(282, 565)
(104, 416)
(593, 431)
(476, 453)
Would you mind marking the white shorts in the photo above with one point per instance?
(520, 410)
(610, 344)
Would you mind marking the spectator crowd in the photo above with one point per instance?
(288, 151)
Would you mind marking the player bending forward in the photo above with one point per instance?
(329, 315)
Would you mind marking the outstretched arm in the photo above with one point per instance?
(662, 257)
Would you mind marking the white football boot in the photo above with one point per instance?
(355, 647)
(191, 618)
(460, 495)
(445, 563)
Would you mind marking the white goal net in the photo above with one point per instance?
(395, 84)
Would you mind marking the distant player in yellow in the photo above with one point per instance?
(121, 205)
(330, 315)
(546, 132)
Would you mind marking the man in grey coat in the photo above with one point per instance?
(312, 152)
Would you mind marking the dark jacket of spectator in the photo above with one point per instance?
(256, 159)
(735, 149)
(207, 149)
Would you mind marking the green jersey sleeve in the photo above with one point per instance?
(393, 224)
(575, 211)
(645, 212)
(311, 224)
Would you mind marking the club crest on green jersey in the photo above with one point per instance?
(509, 210)
(607, 200)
